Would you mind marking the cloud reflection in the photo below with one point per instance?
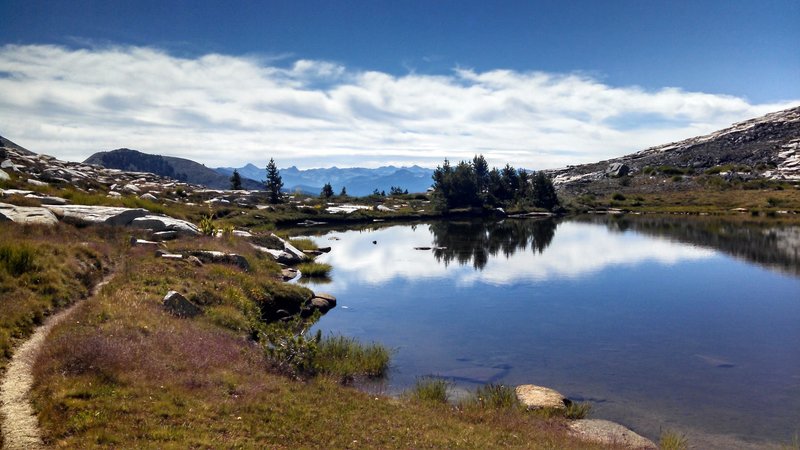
(576, 250)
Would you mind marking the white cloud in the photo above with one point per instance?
(228, 110)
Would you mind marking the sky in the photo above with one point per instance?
(538, 84)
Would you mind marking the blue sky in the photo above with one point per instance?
(318, 83)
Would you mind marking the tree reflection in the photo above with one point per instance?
(770, 244)
(475, 242)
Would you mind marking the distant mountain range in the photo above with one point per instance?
(166, 166)
(358, 181)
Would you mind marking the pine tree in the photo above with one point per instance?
(327, 191)
(236, 180)
(273, 183)
(343, 193)
(544, 193)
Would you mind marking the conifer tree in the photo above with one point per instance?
(273, 183)
(236, 180)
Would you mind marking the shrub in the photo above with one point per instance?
(577, 410)
(17, 259)
(315, 270)
(303, 244)
(671, 170)
(495, 396)
(430, 390)
(346, 358)
(677, 178)
(670, 440)
(618, 196)
(207, 226)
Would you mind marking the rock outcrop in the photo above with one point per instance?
(769, 146)
(540, 397)
(611, 433)
(27, 215)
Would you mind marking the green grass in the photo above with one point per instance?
(429, 390)
(315, 270)
(346, 358)
(577, 410)
(303, 244)
(671, 440)
(17, 258)
(494, 396)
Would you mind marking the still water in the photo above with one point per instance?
(688, 325)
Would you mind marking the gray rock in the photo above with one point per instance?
(195, 260)
(540, 397)
(290, 254)
(289, 274)
(7, 164)
(27, 215)
(180, 306)
(617, 169)
(47, 200)
(607, 432)
(36, 182)
(324, 249)
(320, 304)
(148, 196)
(209, 256)
(131, 188)
(165, 235)
(4, 175)
(108, 215)
(327, 297)
(159, 223)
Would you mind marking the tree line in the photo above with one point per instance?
(472, 183)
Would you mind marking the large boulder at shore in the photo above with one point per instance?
(27, 215)
(291, 249)
(540, 397)
(610, 433)
(159, 223)
(87, 215)
(180, 306)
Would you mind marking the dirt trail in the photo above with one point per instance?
(18, 421)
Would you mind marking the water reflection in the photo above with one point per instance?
(497, 253)
(647, 318)
(776, 247)
(474, 242)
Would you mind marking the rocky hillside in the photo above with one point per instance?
(166, 166)
(766, 147)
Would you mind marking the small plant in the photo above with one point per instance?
(671, 440)
(346, 358)
(207, 226)
(677, 178)
(315, 270)
(618, 196)
(429, 389)
(496, 396)
(303, 244)
(577, 410)
(17, 259)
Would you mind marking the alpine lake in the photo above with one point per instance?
(684, 324)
